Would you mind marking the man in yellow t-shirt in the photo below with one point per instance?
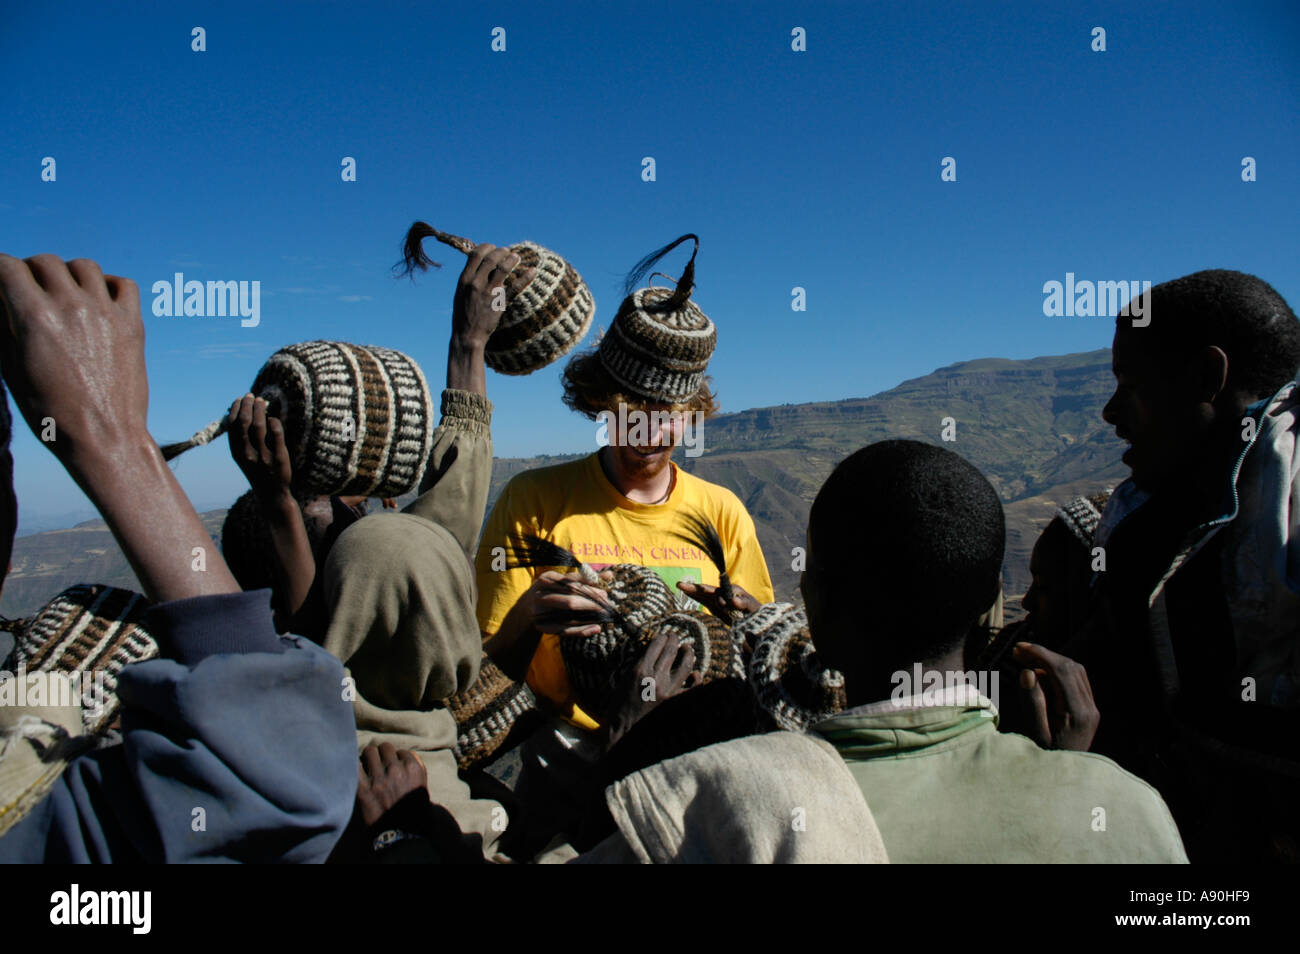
(626, 503)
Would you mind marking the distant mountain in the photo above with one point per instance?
(1033, 427)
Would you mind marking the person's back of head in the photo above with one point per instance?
(1239, 313)
(905, 546)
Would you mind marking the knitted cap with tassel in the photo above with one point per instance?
(357, 419)
(659, 344)
(542, 321)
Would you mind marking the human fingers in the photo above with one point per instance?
(388, 755)
(371, 760)
(89, 277)
(51, 274)
(413, 765)
(257, 431)
(1042, 726)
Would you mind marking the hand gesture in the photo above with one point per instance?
(258, 447)
(385, 776)
(662, 672)
(483, 292)
(708, 596)
(1065, 716)
(73, 352)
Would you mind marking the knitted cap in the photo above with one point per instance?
(88, 629)
(357, 419)
(790, 682)
(658, 355)
(718, 653)
(1082, 515)
(487, 712)
(543, 320)
(597, 664)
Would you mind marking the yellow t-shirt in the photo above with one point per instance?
(576, 507)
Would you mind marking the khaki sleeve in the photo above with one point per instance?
(454, 491)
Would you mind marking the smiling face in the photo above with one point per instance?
(646, 449)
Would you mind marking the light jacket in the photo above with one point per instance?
(945, 786)
(1260, 559)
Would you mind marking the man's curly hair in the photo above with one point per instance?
(589, 389)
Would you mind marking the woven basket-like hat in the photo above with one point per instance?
(790, 683)
(487, 712)
(543, 320)
(358, 419)
(596, 664)
(88, 629)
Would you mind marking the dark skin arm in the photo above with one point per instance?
(663, 672)
(258, 447)
(72, 349)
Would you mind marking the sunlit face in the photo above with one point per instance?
(647, 450)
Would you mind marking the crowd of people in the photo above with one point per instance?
(597, 670)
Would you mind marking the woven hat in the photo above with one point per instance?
(246, 544)
(358, 419)
(789, 681)
(719, 654)
(488, 711)
(1082, 515)
(597, 664)
(90, 630)
(659, 344)
(543, 320)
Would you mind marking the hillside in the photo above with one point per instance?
(1034, 427)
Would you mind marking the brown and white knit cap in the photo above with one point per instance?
(358, 419)
(87, 629)
(790, 683)
(487, 712)
(543, 320)
(658, 355)
(1082, 515)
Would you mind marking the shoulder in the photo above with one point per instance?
(720, 500)
(544, 481)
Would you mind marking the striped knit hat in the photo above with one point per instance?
(719, 654)
(659, 344)
(543, 320)
(358, 419)
(1082, 515)
(597, 664)
(88, 629)
(488, 711)
(789, 681)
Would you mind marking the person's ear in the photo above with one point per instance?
(1210, 369)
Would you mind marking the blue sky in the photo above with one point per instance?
(818, 169)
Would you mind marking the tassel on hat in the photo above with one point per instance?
(358, 419)
(542, 321)
(659, 344)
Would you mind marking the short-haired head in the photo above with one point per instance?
(905, 552)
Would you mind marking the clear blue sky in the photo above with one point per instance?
(818, 169)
